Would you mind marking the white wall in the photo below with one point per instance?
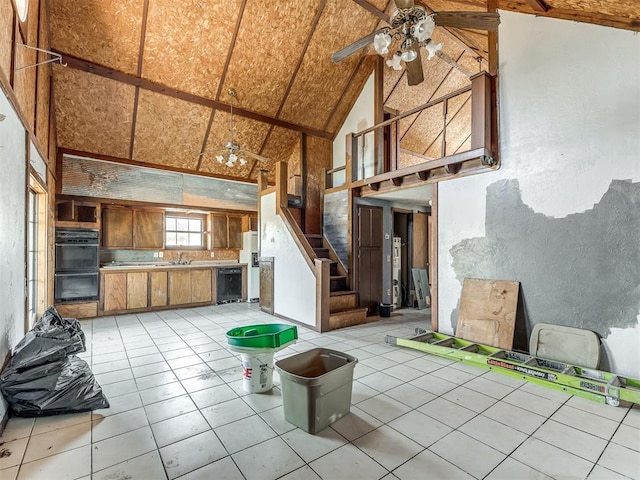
(12, 231)
(569, 98)
(360, 117)
(294, 293)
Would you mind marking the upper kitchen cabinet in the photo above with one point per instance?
(77, 214)
(132, 228)
(227, 231)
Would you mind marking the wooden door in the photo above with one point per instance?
(158, 285)
(117, 227)
(201, 286)
(179, 287)
(148, 229)
(369, 257)
(137, 290)
(115, 291)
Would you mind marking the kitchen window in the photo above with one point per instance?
(182, 231)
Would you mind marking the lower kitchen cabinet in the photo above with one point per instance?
(179, 287)
(114, 291)
(201, 291)
(158, 289)
(137, 290)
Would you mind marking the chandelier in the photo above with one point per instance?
(232, 154)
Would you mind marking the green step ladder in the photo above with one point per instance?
(596, 385)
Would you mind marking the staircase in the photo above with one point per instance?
(343, 303)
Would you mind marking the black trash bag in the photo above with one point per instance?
(43, 376)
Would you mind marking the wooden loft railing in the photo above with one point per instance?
(379, 171)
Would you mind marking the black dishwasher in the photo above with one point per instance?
(229, 285)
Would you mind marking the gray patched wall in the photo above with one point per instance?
(335, 223)
(582, 270)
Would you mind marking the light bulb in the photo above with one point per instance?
(242, 161)
(232, 157)
(229, 163)
(423, 29)
(433, 48)
(408, 55)
(381, 43)
(394, 62)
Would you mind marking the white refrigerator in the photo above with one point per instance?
(249, 255)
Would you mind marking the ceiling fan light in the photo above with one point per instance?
(394, 62)
(423, 29)
(381, 43)
(242, 161)
(433, 48)
(219, 158)
(408, 55)
(232, 157)
(229, 163)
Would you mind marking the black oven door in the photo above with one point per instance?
(73, 257)
(73, 287)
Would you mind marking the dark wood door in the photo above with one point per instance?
(369, 256)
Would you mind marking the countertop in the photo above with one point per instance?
(169, 265)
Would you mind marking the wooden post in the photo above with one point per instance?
(481, 111)
(263, 180)
(323, 282)
(282, 197)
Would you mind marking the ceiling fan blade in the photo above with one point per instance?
(355, 46)
(371, 9)
(415, 75)
(473, 20)
(403, 4)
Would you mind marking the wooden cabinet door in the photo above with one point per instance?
(115, 291)
(235, 232)
(158, 286)
(136, 290)
(148, 229)
(179, 287)
(201, 286)
(219, 231)
(117, 227)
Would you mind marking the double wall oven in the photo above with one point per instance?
(77, 265)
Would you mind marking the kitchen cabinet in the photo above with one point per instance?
(148, 229)
(201, 289)
(158, 289)
(76, 213)
(227, 231)
(136, 290)
(117, 227)
(114, 291)
(179, 287)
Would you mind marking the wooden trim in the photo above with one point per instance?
(538, 5)
(480, 110)
(378, 112)
(126, 161)
(492, 42)
(282, 196)
(234, 38)
(90, 67)
(433, 257)
(323, 283)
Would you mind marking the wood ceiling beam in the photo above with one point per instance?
(538, 5)
(143, 35)
(90, 67)
(135, 163)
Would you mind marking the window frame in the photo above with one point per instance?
(203, 217)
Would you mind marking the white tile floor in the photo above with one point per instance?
(178, 410)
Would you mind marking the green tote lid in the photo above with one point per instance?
(271, 335)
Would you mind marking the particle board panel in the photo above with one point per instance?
(106, 32)
(6, 36)
(137, 285)
(248, 134)
(93, 114)
(488, 312)
(169, 131)
(351, 95)
(24, 84)
(268, 44)
(186, 43)
(43, 83)
(320, 82)
(158, 286)
(319, 154)
(458, 128)
(282, 145)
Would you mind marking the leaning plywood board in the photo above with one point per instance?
(488, 312)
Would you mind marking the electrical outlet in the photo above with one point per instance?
(155, 254)
(388, 291)
(213, 254)
(388, 258)
(161, 254)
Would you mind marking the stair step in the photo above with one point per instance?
(321, 252)
(338, 282)
(333, 269)
(342, 300)
(315, 240)
(347, 318)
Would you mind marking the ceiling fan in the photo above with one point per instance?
(231, 152)
(413, 26)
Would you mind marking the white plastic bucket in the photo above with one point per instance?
(257, 372)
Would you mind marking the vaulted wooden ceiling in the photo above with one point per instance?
(147, 80)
